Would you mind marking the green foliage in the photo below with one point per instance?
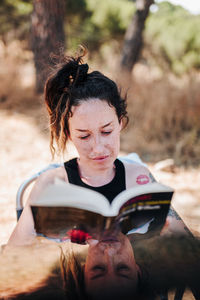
(88, 35)
(103, 20)
(76, 9)
(89, 22)
(14, 15)
(111, 16)
(174, 34)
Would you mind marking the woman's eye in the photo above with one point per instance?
(122, 268)
(106, 132)
(84, 137)
(98, 271)
(99, 268)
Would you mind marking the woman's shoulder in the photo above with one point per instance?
(49, 176)
(46, 178)
(137, 174)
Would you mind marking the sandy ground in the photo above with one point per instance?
(24, 150)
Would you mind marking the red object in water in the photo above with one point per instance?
(77, 236)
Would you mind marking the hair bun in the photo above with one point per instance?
(80, 74)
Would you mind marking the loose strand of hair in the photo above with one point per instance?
(74, 274)
(82, 51)
(51, 145)
(63, 132)
(60, 140)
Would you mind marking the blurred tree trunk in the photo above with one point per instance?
(47, 35)
(133, 37)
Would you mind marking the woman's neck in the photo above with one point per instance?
(96, 178)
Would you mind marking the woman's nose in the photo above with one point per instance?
(110, 255)
(110, 249)
(97, 145)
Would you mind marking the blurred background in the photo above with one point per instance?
(150, 48)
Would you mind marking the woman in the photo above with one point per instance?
(111, 264)
(88, 110)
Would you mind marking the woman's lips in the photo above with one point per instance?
(109, 240)
(100, 157)
(108, 236)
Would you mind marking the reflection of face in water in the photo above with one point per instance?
(110, 268)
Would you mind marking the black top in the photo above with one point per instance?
(109, 190)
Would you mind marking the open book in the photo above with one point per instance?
(64, 207)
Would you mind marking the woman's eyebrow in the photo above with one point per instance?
(106, 125)
(96, 276)
(84, 130)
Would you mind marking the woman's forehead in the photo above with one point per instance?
(92, 105)
(93, 112)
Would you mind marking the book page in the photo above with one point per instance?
(126, 195)
(149, 208)
(68, 195)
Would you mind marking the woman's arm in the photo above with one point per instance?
(24, 232)
(139, 175)
(174, 224)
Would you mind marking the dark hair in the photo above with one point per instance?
(68, 86)
(72, 272)
(65, 281)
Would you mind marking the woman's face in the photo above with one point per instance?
(111, 268)
(95, 131)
